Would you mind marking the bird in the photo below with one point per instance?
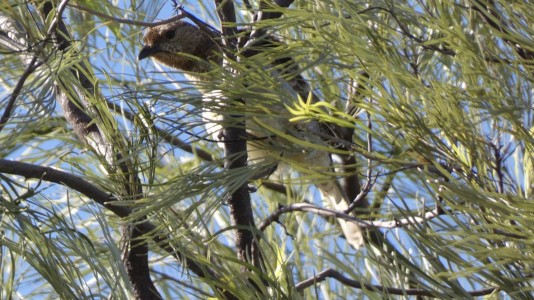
(185, 47)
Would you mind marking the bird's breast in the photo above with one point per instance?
(270, 134)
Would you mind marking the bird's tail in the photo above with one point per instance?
(334, 197)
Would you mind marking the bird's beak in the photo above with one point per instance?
(148, 51)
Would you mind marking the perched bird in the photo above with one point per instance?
(185, 47)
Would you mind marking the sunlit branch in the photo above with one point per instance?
(308, 207)
(328, 213)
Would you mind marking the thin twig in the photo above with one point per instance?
(125, 21)
(213, 32)
(363, 193)
(498, 165)
(421, 42)
(16, 91)
(308, 207)
(167, 136)
(489, 15)
(331, 273)
(32, 66)
(325, 212)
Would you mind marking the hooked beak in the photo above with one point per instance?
(148, 51)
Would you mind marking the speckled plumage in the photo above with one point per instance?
(182, 46)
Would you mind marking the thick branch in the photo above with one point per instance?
(72, 181)
(240, 204)
(235, 151)
(226, 13)
(263, 15)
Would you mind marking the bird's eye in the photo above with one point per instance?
(169, 34)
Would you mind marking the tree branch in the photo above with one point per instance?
(235, 150)
(136, 253)
(32, 66)
(226, 13)
(240, 203)
(490, 16)
(331, 273)
(106, 200)
(266, 15)
(329, 213)
(124, 21)
(360, 200)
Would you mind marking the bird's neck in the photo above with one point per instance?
(195, 77)
(205, 83)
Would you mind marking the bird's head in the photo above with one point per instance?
(182, 46)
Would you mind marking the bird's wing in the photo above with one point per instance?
(269, 141)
